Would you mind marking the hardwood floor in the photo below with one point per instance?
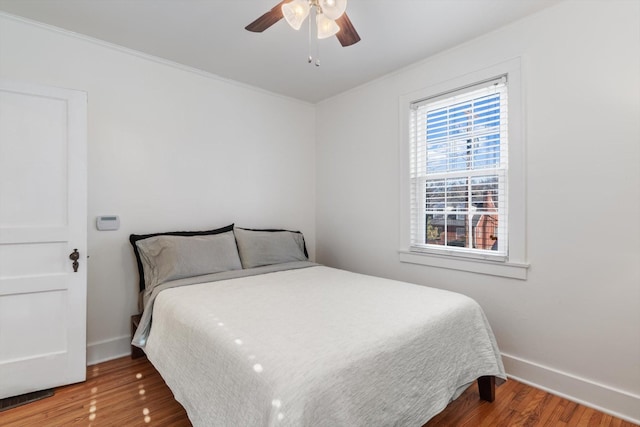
(126, 392)
(121, 392)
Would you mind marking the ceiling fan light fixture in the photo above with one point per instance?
(331, 19)
(333, 9)
(326, 27)
(295, 13)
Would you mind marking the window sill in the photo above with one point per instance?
(493, 268)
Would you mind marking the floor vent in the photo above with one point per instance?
(23, 399)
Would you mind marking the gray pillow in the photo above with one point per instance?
(259, 248)
(166, 258)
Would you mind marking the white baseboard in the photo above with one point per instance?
(609, 400)
(102, 351)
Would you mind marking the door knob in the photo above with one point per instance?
(74, 257)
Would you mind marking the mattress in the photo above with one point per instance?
(317, 346)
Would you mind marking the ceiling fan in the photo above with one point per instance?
(331, 18)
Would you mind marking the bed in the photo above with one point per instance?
(247, 332)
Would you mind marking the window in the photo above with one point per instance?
(459, 159)
(463, 203)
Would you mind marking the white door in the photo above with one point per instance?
(43, 218)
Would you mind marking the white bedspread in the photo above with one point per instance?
(318, 347)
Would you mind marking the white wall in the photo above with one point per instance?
(574, 325)
(168, 149)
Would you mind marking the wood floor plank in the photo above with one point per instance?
(130, 392)
(553, 408)
(488, 415)
(576, 418)
(569, 409)
(530, 409)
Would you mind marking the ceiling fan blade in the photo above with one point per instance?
(347, 34)
(268, 19)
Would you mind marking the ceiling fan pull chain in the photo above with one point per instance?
(309, 44)
(316, 39)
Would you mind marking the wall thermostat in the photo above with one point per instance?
(109, 222)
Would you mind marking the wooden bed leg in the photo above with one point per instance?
(487, 388)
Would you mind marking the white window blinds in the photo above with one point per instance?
(458, 171)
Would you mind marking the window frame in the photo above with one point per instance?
(514, 264)
(420, 160)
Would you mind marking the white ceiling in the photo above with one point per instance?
(210, 35)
